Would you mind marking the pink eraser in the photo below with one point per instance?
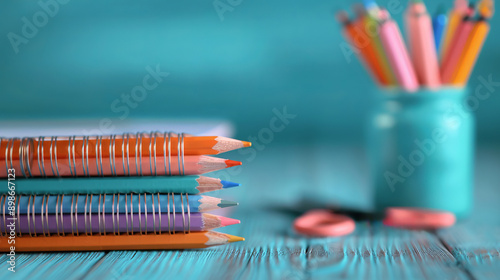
(416, 218)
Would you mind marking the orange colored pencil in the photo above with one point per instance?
(471, 52)
(370, 20)
(47, 153)
(356, 34)
(373, 46)
(474, 44)
(109, 242)
(452, 56)
(193, 145)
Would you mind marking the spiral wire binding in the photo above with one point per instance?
(113, 214)
(27, 151)
(103, 213)
(31, 215)
(62, 220)
(99, 214)
(21, 155)
(140, 220)
(28, 215)
(41, 214)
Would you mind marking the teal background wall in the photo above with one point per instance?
(262, 55)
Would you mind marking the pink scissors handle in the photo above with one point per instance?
(324, 223)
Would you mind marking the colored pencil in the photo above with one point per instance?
(143, 166)
(119, 242)
(119, 203)
(458, 36)
(486, 8)
(474, 44)
(115, 223)
(439, 23)
(455, 18)
(422, 45)
(452, 57)
(115, 185)
(398, 54)
(42, 155)
(193, 145)
(358, 38)
(369, 25)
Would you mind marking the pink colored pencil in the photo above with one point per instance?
(193, 165)
(455, 17)
(422, 45)
(457, 45)
(397, 53)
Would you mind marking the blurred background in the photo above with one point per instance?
(229, 59)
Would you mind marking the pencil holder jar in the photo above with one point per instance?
(421, 150)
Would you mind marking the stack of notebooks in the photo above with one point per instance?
(118, 192)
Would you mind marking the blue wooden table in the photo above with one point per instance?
(282, 182)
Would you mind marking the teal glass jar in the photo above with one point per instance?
(421, 150)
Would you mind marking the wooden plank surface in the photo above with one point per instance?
(280, 184)
(50, 266)
(375, 251)
(475, 243)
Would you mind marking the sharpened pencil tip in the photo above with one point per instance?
(486, 8)
(224, 221)
(227, 184)
(246, 144)
(234, 238)
(226, 203)
(231, 163)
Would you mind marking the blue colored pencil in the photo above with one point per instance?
(439, 22)
(112, 185)
(119, 203)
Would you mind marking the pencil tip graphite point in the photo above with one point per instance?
(231, 163)
(246, 144)
(227, 184)
(234, 238)
(224, 221)
(226, 203)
